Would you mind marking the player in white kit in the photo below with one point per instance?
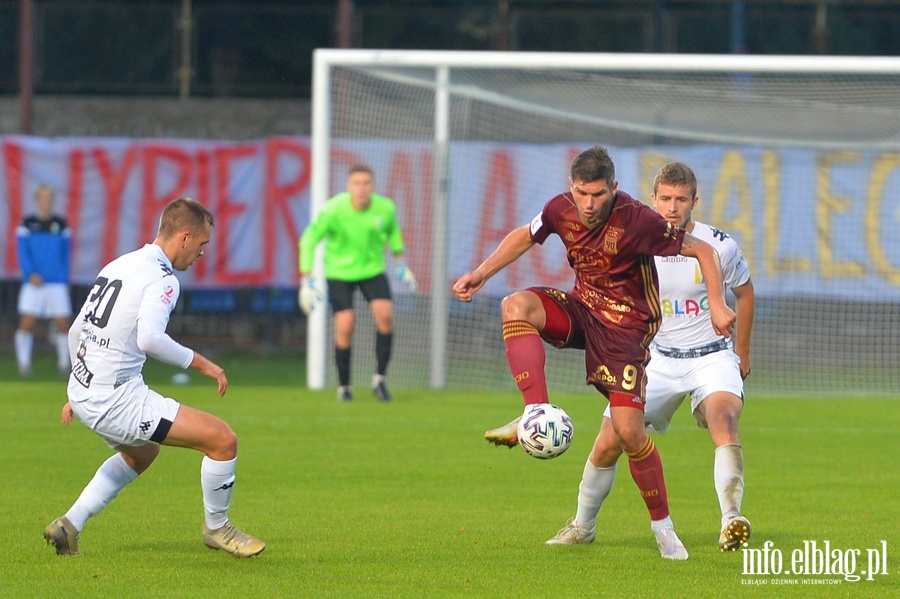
(123, 319)
(687, 357)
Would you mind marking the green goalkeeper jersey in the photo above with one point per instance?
(354, 239)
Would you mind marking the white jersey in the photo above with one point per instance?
(686, 322)
(124, 318)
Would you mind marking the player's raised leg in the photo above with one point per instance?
(522, 313)
(206, 433)
(523, 316)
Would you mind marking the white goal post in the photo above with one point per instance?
(798, 157)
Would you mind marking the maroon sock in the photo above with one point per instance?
(647, 472)
(526, 356)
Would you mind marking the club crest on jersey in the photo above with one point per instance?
(611, 241)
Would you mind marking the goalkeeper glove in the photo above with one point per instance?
(405, 276)
(308, 297)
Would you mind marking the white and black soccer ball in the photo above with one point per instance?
(545, 431)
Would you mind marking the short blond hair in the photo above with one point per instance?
(676, 173)
(184, 214)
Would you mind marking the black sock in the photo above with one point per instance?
(342, 359)
(383, 343)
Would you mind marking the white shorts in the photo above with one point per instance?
(132, 414)
(669, 380)
(50, 300)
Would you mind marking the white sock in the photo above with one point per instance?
(24, 343)
(728, 473)
(657, 525)
(112, 476)
(62, 351)
(217, 482)
(596, 484)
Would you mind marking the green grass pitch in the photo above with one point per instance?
(407, 500)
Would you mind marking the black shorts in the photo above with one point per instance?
(340, 293)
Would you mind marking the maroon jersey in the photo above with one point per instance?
(615, 274)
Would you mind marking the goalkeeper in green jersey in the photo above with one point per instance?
(356, 225)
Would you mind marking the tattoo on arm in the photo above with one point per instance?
(689, 241)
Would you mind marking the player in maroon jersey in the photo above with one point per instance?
(612, 312)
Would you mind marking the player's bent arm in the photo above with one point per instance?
(706, 255)
(212, 370)
(517, 242)
(745, 304)
(165, 349)
(153, 341)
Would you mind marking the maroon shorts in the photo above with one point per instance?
(614, 358)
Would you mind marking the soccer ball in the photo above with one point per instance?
(545, 431)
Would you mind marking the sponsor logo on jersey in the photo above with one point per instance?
(610, 308)
(167, 294)
(88, 335)
(82, 374)
(588, 262)
(685, 307)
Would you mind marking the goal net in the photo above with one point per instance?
(798, 158)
